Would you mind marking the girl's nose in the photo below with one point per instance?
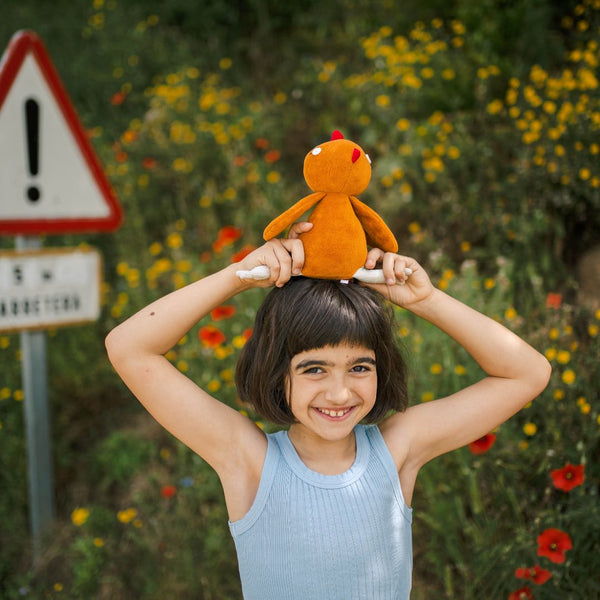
(338, 393)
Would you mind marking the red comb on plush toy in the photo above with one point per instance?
(336, 246)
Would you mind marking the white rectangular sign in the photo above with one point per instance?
(49, 287)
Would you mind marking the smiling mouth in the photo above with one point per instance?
(334, 414)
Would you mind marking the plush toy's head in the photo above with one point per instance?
(339, 166)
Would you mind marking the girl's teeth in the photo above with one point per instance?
(334, 413)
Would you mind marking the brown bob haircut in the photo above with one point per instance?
(311, 313)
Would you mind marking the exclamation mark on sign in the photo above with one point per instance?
(32, 125)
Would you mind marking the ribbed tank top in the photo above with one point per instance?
(310, 536)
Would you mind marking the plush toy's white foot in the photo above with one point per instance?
(374, 275)
(257, 273)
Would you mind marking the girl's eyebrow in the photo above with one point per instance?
(324, 363)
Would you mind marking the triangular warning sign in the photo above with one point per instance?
(50, 178)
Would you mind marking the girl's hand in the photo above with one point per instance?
(400, 288)
(283, 257)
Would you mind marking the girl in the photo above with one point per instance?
(322, 510)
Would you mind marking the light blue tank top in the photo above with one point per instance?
(310, 536)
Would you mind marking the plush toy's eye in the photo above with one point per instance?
(316, 151)
(368, 158)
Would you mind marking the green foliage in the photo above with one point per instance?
(482, 122)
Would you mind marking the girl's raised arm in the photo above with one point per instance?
(228, 441)
(515, 372)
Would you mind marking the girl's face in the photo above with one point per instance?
(332, 389)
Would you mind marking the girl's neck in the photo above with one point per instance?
(328, 457)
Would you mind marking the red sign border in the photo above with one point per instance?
(21, 44)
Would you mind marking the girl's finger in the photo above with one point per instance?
(374, 255)
(297, 228)
(296, 251)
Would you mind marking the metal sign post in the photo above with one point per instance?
(37, 419)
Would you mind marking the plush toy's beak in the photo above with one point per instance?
(355, 155)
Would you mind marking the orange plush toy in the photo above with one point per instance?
(336, 246)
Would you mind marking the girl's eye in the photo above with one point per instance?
(361, 368)
(313, 371)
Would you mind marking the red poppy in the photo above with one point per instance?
(567, 478)
(272, 156)
(242, 253)
(553, 300)
(483, 444)
(227, 235)
(553, 543)
(121, 157)
(239, 161)
(168, 491)
(211, 336)
(262, 143)
(535, 574)
(523, 593)
(222, 312)
(247, 333)
(118, 98)
(149, 163)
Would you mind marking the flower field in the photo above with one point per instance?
(484, 135)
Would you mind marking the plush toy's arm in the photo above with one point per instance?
(377, 232)
(285, 219)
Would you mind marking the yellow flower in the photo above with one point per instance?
(489, 283)
(563, 357)
(510, 314)
(569, 376)
(414, 227)
(383, 100)
(436, 368)
(273, 177)
(402, 124)
(19, 395)
(225, 63)
(174, 240)
(559, 394)
(427, 396)
(530, 429)
(465, 246)
(58, 587)
(550, 353)
(79, 516)
(553, 333)
(214, 385)
(98, 542)
(460, 370)
(127, 515)
(280, 98)
(593, 330)
(494, 107)
(453, 152)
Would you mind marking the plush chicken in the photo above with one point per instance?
(343, 227)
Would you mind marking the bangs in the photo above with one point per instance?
(329, 313)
